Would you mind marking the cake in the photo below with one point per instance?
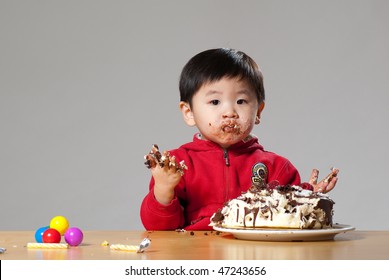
(275, 206)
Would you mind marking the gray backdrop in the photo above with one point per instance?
(86, 87)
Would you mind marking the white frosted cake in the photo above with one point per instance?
(275, 206)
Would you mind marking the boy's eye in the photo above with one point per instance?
(215, 102)
(241, 101)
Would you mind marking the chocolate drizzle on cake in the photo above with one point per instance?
(217, 217)
(274, 205)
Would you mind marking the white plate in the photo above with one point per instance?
(270, 234)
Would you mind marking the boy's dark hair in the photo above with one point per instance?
(215, 64)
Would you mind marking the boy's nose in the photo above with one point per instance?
(230, 113)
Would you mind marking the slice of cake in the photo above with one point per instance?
(275, 206)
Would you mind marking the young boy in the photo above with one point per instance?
(222, 94)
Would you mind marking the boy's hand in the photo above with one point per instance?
(166, 173)
(165, 180)
(325, 185)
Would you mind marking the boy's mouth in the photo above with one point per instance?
(231, 127)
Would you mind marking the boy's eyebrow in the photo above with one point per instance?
(212, 92)
(242, 91)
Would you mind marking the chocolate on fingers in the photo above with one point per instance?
(332, 175)
(165, 160)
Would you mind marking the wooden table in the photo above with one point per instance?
(200, 245)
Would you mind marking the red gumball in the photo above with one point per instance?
(51, 236)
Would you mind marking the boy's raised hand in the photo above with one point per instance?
(166, 172)
(325, 185)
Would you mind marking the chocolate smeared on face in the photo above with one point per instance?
(231, 127)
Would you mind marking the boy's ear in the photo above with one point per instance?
(260, 109)
(187, 113)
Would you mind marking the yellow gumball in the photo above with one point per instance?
(59, 223)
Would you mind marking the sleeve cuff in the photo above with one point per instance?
(161, 209)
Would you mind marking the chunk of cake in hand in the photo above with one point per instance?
(164, 160)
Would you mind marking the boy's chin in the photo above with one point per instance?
(225, 140)
(227, 143)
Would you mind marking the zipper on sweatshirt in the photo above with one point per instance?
(226, 158)
(226, 173)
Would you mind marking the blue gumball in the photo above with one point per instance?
(39, 233)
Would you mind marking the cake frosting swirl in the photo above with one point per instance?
(276, 206)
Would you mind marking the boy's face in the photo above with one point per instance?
(225, 111)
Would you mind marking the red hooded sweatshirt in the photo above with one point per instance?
(214, 176)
